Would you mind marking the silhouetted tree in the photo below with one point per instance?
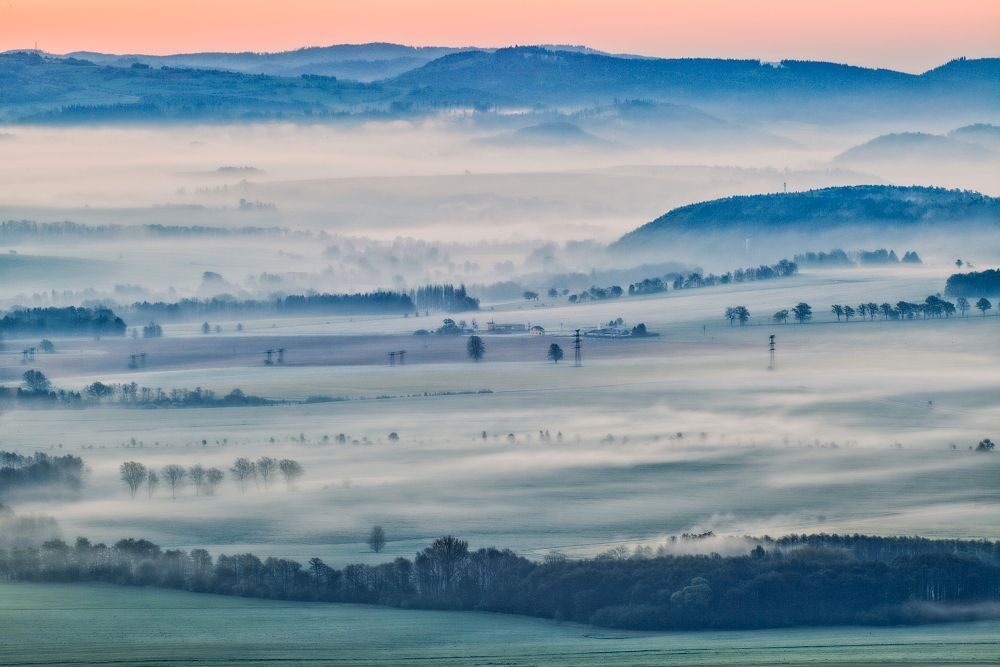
(267, 468)
(197, 474)
(802, 312)
(984, 305)
(985, 446)
(174, 476)
(553, 293)
(213, 476)
(475, 348)
(731, 315)
(376, 539)
(152, 481)
(393, 437)
(742, 314)
(291, 471)
(848, 313)
(887, 310)
(780, 317)
(244, 471)
(963, 304)
(36, 382)
(530, 296)
(555, 353)
(133, 474)
(837, 310)
(47, 346)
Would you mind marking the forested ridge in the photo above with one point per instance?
(814, 210)
(795, 580)
(43, 89)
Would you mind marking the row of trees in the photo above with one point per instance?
(933, 306)
(782, 585)
(261, 473)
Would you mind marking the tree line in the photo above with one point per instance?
(36, 391)
(68, 321)
(804, 584)
(225, 306)
(443, 297)
(977, 283)
(18, 472)
(13, 229)
(261, 474)
(932, 307)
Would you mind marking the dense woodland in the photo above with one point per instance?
(974, 284)
(40, 471)
(796, 580)
(68, 321)
(882, 205)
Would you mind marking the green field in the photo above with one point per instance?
(53, 624)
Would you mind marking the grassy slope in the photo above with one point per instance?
(51, 624)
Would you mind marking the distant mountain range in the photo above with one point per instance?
(340, 81)
(882, 206)
(960, 145)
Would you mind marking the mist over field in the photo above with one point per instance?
(249, 281)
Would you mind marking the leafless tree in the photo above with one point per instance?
(291, 471)
(244, 471)
(133, 474)
(197, 474)
(212, 478)
(152, 481)
(376, 539)
(267, 469)
(174, 476)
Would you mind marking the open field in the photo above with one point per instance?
(95, 625)
(854, 432)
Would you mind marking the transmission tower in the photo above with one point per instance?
(402, 357)
(576, 350)
(771, 348)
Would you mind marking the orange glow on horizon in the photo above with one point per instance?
(912, 35)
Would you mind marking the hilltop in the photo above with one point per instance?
(818, 210)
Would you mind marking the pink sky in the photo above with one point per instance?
(911, 35)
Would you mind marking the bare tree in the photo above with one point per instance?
(133, 474)
(152, 481)
(244, 471)
(267, 469)
(174, 476)
(291, 471)
(213, 476)
(197, 474)
(963, 305)
(376, 539)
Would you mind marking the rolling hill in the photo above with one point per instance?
(815, 211)
(207, 87)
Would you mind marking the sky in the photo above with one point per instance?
(907, 35)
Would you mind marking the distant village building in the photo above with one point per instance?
(493, 327)
(608, 332)
(536, 331)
